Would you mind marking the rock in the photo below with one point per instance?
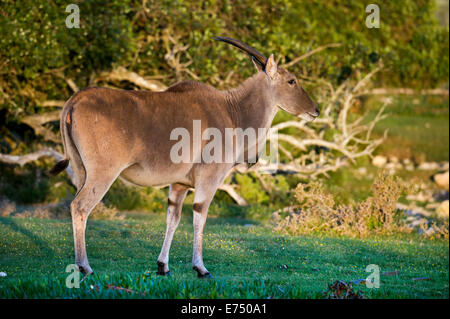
(379, 161)
(393, 159)
(421, 197)
(362, 170)
(433, 206)
(413, 211)
(443, 209)
(418, 222)
(390, 166)
(429, 166)
(442, 180)
(441, 195)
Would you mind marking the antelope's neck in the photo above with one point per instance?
(251, 104)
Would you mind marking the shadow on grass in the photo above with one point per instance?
(14, 226)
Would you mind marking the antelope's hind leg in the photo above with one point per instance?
(177, 194)
(88, 197)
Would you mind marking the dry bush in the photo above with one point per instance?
(6, 207)
(101, 211)
(38, 212)
(437, 230)
(319, 212)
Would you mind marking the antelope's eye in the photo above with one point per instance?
(291, 82)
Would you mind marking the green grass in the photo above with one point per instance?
(418, 127)
(424, 138)
(247, 262)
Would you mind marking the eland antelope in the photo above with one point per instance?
(110, 133)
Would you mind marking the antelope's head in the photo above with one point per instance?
(285, 89)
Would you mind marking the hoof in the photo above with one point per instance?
(85, 270)
(161, 271)
(200, 275)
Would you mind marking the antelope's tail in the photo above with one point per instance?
(65, 123)
(59, 167)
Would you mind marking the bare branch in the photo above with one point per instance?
(229, 189)
(31, 157)
(72, 85)
(175, 51)
(38, 120)
(52, 103)
(122, 74)
(308, 54)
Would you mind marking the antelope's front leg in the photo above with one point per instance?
(177, 193)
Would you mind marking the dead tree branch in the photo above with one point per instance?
(175, 53)
(122, 74)
(37, 122)
(312, 52)
(31, 157)
(229, 189)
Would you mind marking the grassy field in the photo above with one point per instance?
(417, 127)
(246, 258)
(246, 261)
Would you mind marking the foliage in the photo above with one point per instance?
(251, 189)
(30, 185)
(38, 52)
(126, 197)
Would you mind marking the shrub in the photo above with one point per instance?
(317, 211)
(6, 207)
(125, 197)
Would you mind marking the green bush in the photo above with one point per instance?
(36, 47)
(136, 198)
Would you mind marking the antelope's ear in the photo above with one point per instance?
(258, 65)
(271, 67)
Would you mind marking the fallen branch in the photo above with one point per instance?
(122, 74)
(31, 157)
(229, 189)
(308, 54)
(36, 122)
(52, 103)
